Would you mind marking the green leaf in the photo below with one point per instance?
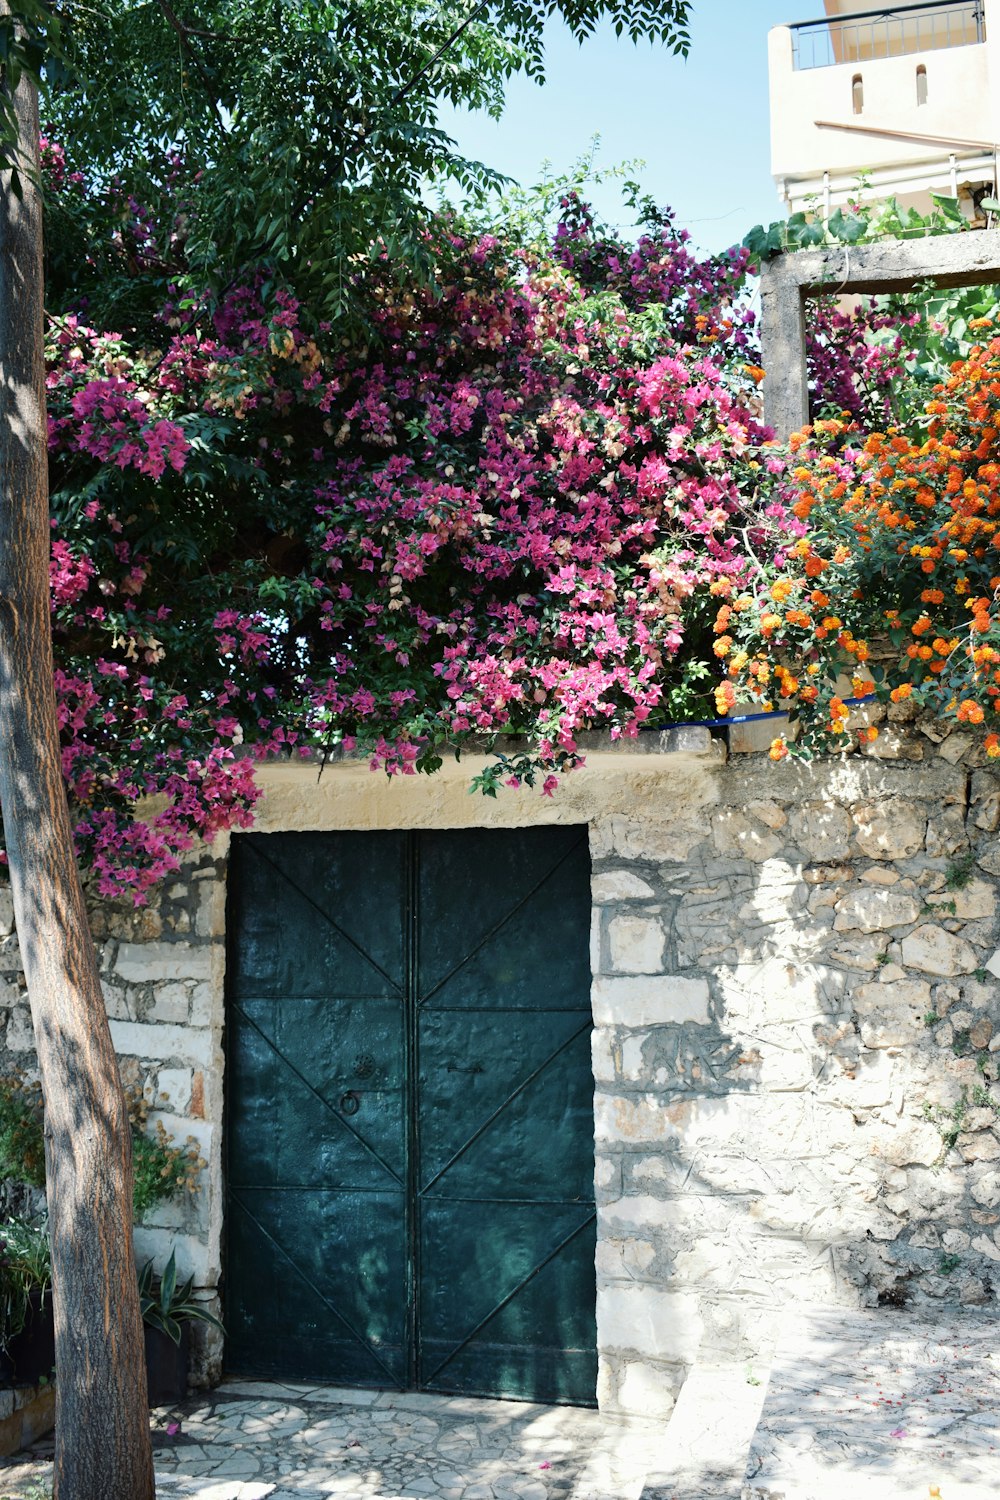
(168, 1281)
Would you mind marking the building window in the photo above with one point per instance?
(921, 84)
(857, 93)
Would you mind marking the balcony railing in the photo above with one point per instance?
(888, 33)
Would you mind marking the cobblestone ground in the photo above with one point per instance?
(247, 1441)
(881, 1406)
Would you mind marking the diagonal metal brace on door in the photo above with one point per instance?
(587, 1026)
(317, 1095)
(315, 1290)
(510, 1296)
(330, 921)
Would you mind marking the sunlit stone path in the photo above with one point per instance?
(247, 1441)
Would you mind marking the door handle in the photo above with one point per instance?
(350, 1102)
(476, 1068)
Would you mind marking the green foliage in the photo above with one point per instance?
(949, 1263)
(165, 1304)
(22, 1145)
(304, 129)
(959, 872)
(161, 1168)
(25, 1268)
(860, 224)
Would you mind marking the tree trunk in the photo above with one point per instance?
(102, 1419)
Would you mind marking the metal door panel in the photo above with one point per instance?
(500, 916)
(410, 1111)
(303, 1114)
(310, 1309)
(309, 929)
(506, 1108)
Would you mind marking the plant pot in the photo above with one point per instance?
(31, 1354)
(166, 1366)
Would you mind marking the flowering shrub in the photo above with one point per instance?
(510, 513)
(898, 561)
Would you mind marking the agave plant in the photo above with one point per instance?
(166, 1305)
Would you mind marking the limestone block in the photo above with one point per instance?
(901, 1026)
(206, 1005)
(170, 1003)
(210, 919)
(636, 944)
(151, 962)
(750, 1126)
(194, 1257)
(986, 1190)
(645, 1390)
(624, 1257)
(768, 813)
(650, 1000)
(6, 910)
(173, 1087)
(632, 1065)
(116, 1001)
(822, 829)
(153, 1042)
(606, 1171)
(880, 875)
(777, 990)
(935, 951)
(912, 994)
(954, 747)
(664, 1325)
(981, 1147)
(874, 909)
(981, 1034)
(894, 744)
(778, 893)
(893, 829)
(946, 834)
(863, 952)
(20, 1036)
(974, 901)
(602, 1054)
(647, 838)
(619, 885)
(735, 833)
(986, 813)
(910, 1143)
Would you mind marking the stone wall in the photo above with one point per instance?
(162, 970)
(794, 1000)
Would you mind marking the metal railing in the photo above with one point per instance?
(892, 32)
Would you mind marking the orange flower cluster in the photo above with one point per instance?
(901, 547)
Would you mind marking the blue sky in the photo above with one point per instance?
(701, 126)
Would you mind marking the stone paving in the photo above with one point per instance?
(881, 1406)
(247, 1441)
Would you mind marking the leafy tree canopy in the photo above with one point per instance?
(305, 129)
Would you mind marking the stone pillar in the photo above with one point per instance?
(783, 339)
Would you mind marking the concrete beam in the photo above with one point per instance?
(949, 260)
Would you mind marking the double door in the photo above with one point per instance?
(410, 1197)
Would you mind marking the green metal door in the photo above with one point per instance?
(410, 1112)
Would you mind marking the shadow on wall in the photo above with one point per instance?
(795, 1013)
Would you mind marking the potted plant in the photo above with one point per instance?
(167, 1310)
(27, 1341)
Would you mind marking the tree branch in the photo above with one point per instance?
(185, 33)
(444, 47)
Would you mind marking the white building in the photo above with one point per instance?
(905, 96)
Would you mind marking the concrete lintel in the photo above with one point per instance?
(964, 259)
